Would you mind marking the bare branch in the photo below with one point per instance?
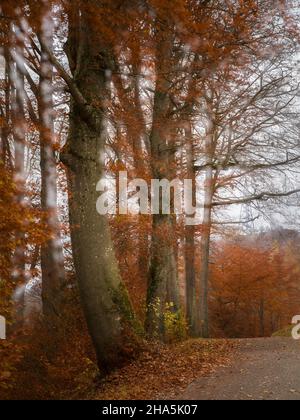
(261, 196)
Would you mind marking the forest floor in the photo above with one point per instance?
(162, 372)
(196, 369)
(264, 369)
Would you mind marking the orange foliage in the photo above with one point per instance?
(254, 292)
(20, 226)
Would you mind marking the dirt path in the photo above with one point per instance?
(265, 369)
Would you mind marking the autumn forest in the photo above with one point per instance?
(108, 292)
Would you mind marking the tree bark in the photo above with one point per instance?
(52, 259)
(190, 275)
(5, 111)
(18, 120)
(163, 280)
(262, 318)
(105, 301)
(203, 318)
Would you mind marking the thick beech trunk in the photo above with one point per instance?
(163, 279)
(106, 304)
(104, 298)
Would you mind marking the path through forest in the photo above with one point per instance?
(264, 369)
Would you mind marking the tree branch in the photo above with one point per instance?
(262, 196)
(88, 112)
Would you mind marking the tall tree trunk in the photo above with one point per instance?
(163, 281)
(52, 259)
(5, 112)
(262, 318)
(190, 275)
(203, 318)
(105, 301)
(18, 120)
(138, 135)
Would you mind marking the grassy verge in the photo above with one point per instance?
(285, 332)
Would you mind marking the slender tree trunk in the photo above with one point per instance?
(262, 318)
(52, 259)
(163, 280)
(204, 272)
(203, 319)
(5, 153)
(138, 135)
(139, 139)
(108, 311)
(190, 276)
(18, 119)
